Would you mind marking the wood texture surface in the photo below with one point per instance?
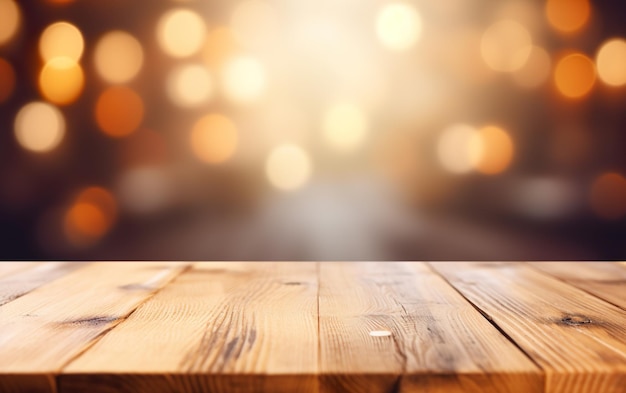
(43, 330)
(578, 339)
(606, 280)
(437, 341)
(308, 327)
(220, 327)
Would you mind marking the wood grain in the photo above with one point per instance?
(578, 339)
(24, 279)
(44, 329)
(8, 268)
(607, 280)
(220, 327)
(438, 342)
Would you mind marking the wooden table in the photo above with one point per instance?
(165, 327)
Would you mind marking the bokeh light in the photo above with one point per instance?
(244, 79)
(7, 80)
(495, 150)
(143, 190)
(119, 111)
(536, 71)
(506, 46)
(574, 75)
(568, 16)
(181, 32)
(344, 126)
(398, 26)
(189, 85)
(458, 148)
(254, 23)
(214, 138)
(288, 167)
(118, 57)
(608, 196)
(220, 45)
(61, 80)
(39, 127)
(611, 62)
(90, 216)
(10, 18)
(61, 39)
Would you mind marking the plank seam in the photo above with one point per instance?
(575, 286)
(491, 321)
(93, 342)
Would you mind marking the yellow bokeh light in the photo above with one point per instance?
(181, 32)
(214, 138)
(506, 46)
(61, 39)
(536, 70)
(118, 57)
(398, 26)
(568, 16)
(458, 148)
(344, 126)
(608, 196)
(574, 75)
(288, 167)
(39, 127)
(61, 80)
(7, 80)
(10, 19)
(90, 217)
(190, 85)
(244, 79)
(119, 111)
(611, 62)
(218, 47)
(254, 23)
(495, 150)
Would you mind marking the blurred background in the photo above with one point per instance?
(316, 130)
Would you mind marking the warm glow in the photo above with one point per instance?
(568, 16)
(84, 224)
(536, 70)
(457, 149)
(181, 32)
(118, 57)
(288, 167)
(254, 23)
(7, 80)
(611, 62)
(9, 20)
(61, 80)
(506, 46)
(398, 26)
(214, 138)
(495, 149)
(608, 196)
(244, 79)
(39, 127)
(144, 190)
(575, 75)
(344, 126)
(190, 85)
(219, 45)
(119, 111)
(102, 198)
(61, 39)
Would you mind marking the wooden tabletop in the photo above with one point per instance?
(300, 327)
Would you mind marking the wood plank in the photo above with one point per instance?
(578, 339)
(437, 342)
(44, 329)
(607, 280)
(8, 268)
(220, 327)
(22, 281)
